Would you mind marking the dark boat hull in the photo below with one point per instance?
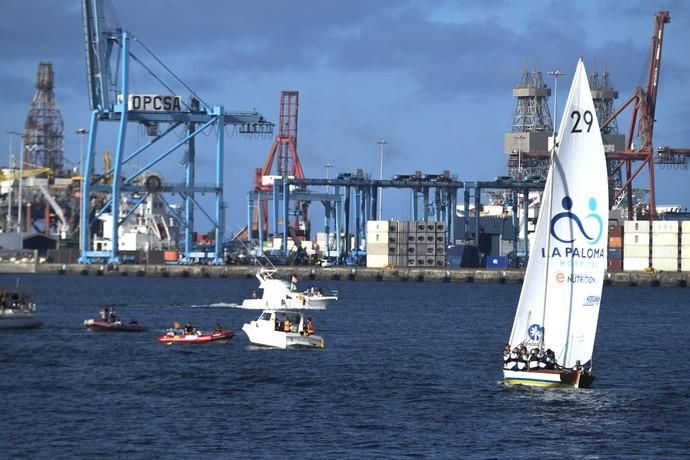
(100, 325)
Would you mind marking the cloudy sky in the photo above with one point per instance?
(432, 78)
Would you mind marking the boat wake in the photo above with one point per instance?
(217, 305)
(257, 307)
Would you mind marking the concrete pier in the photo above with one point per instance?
(343, 273)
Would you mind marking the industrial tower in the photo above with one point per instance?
(532, 126)
(603, 96)
(43, 129)
(283, 153)
(110, 52)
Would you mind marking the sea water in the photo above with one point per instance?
(409, 370)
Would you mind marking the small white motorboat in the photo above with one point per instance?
(282, 329)
(17, 311)
(279, 294)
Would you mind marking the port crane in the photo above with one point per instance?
(283, 154)
(111, 51)
(643, 103)
(635, 156)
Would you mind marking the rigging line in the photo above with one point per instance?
(113, 14)
(156, 77)
(173, 74)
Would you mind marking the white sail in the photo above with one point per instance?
(559, 302)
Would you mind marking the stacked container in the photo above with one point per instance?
(615, 249)
(378, 247)
(636, 245)
(406, 244)
(665, 245)
(397, 242)
(685, 246)
(440, 243)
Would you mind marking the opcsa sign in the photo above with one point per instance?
(153, 103)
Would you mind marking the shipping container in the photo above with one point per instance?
(430, 250)
(393, 238)
(615, 265)
(665, 226)
(411, 249)
(635, 239)
(615, 253)
(420, 262)
(615, 230)
(420, 226)
(440, 239)
(430, 238)
(667, 265)
(377, 261)
(377, 237)
(430, 261)
(378, 249)
(635, 264)
(411, 262)
(636, 226)
(440, 227)
(615, 242)
(393, 226)
(665, 252)
(440, 250)
(635, 251)
(377, 226)
(411, 238)
(665, 239)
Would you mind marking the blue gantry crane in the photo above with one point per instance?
(110, 52)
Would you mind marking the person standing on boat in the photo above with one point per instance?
(293, 283)
(287, 325)
(101, 313)
(309, 328)
(508, 363)
(3, 299)
(254, 294)
(533, 363)
(189, 329)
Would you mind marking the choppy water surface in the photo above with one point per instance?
(410, 370)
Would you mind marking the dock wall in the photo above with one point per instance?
(304, 273)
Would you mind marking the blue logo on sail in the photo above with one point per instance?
(534, 332)
(567, 204)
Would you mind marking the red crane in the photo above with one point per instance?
(284, 150)
(644, 107)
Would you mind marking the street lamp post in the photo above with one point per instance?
(555, 74)
(381, 144)
(82, 132)
(328, 167)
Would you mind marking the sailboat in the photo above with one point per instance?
(555, 324)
